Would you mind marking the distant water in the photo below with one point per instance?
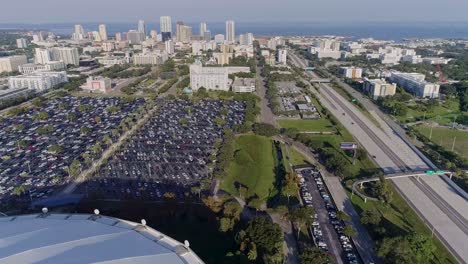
(387, 31)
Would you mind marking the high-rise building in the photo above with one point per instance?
(378, 88)
(230, 31)
(169, 47)
(166, 27)
(118, 36)
(219, 38)
(142, 27)
(282, 56)
(185, 33)
(203, 29)
(351, 72)
(154, 34)
(135, 37)
(416, 84)
(12, 63)
(103, 32)
(246, 39)
(207, 35)
(42, 56)
(79, 32)
(67, 55)
(21, 43)
(179, 25)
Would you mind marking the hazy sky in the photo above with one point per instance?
(43, 11)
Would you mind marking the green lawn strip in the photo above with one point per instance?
(321, 125)
(444, 137)
(399, 220)
(253, 167)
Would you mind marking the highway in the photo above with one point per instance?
(441, 207)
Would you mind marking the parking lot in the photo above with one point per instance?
(326, 229)
(38, 146)
(170, 154)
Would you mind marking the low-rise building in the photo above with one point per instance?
(351, 72)
(97, 84)
(415, 83)
(211, 78)
(12, 63)
(379, 87)
(39, 81)
(244, 85)
(50, 66)
(112, 60)
(153, 58)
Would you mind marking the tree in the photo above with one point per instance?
(413, 248)
(225, 224)
(290, 186)
(349, 231)
(315, 256)
(301, 216)
(196, 190)
(383, 190)
(265, 129)
(267, 237)
(232, 209)
(371, 217)
(343, 216)
(255, 203)
(361, 154)
(74, 168)
(107, 140)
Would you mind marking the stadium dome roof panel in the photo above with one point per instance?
(78, 238)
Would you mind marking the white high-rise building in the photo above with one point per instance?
(142, 27)
(67, 55)
(169, 47)
(42, 56)
(207, 35)
(12, 63)
(21, 43)
(135, 37)
(230, 31)
(416, 84)
(282, 56)
(166, 28)
(246, 39)
(103, 32)
(154, 34)
(184, 33)
(79, 32)
(203, 29)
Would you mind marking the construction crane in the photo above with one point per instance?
(442, 79)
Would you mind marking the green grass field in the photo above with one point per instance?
(253, 167)
(444, 137)
(399, 219)
(321, 125)
(442, 114)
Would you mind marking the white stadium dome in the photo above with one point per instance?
(85, 238)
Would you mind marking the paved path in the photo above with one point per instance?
(266, 115)
(290, 244)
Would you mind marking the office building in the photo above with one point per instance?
(135, 37)
(12, 63)
(154, 34)
(378, 88)
(219, 38)
(21, 43)
(282, 56)
(50, 66)
(230, 31)
(169, 47)
(246, 39)
(39, 81)
(415, 83)
(184, 33)
(351, 72)
(326, 48)
(153, 58)
(103, 32)
(166, 28)
(244, 85)
(211, 78)
(142, 28)
(97, 84)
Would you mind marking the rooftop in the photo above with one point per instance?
(85, 238)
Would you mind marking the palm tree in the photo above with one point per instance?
(301, 216)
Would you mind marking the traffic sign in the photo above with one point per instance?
(430, 172)
(440, 172)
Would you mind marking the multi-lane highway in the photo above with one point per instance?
(441, 207)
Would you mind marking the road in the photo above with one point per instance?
(266, 115)
(395, 154)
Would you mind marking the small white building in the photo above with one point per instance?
(244, 85)
(97, 84)
(379, 87)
